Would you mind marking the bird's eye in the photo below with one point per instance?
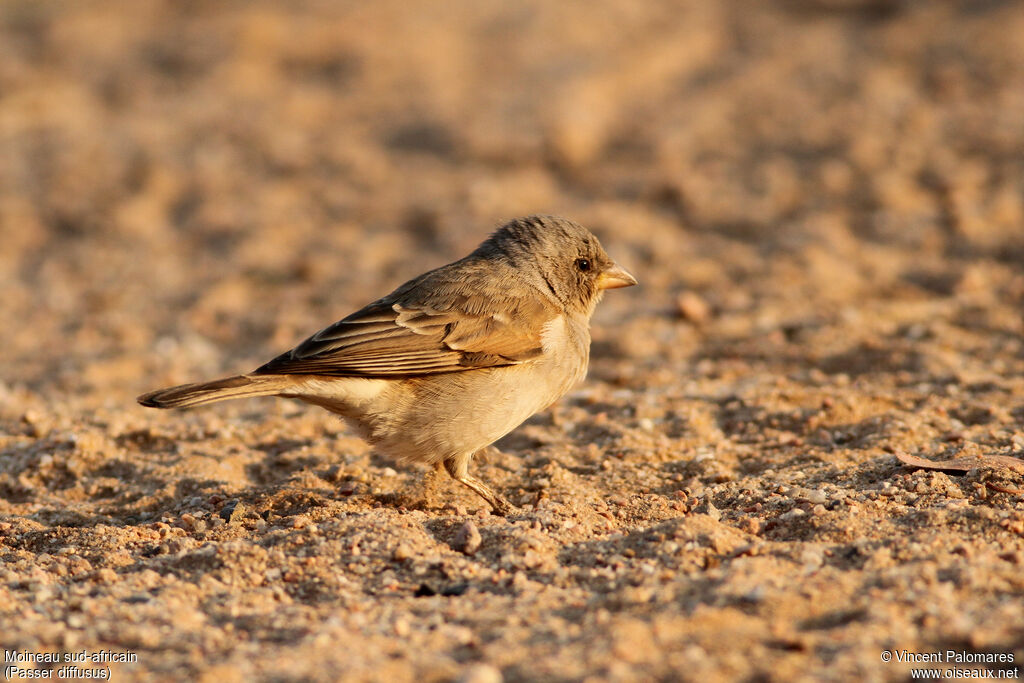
(583, 264)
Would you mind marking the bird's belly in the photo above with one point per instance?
(458, 414)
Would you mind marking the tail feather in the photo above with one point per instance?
(190, 395)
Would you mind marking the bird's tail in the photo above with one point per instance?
(242, 386)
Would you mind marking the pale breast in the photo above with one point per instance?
(459, 413)
(432, 418)
(566, 343)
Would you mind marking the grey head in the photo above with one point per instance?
(562, 257)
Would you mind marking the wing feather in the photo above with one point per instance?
(401, 335)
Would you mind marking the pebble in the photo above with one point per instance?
(755, 595)
(812, 558)
(520, 581)
(467, 539)
(233, 511)
(707, 508)
(480, 673)
(192, 523)
(816, 496)
(690, 306)
(795, 513)
(105, 575)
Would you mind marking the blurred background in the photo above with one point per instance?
(188, 188)
(823, 201)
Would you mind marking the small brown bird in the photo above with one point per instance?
(454, 359)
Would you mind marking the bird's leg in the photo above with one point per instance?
(458, 469)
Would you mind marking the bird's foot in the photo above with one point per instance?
(458, 471)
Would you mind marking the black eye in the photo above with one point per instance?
(583, 264)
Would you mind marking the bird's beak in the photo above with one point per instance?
(615, 277)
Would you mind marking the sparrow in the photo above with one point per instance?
(452, 360)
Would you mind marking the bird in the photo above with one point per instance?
(452, 360)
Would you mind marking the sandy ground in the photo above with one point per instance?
(823, 200)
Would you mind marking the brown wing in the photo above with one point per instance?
(401, 336)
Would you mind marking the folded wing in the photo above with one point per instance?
(400, 336)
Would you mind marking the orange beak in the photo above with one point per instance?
(615, 277)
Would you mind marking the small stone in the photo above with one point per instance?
(812, 558)
(460, 635)
(480, 673)
(105, 575)
(233, 511)
(520, 581)
(532, 559)
(752, 525)
(43, 594)
(401, 553)
(692, 307)
(190, 522)
(175, 545)
(755, 595)
(33, 421)
(467, 539)
(816, 496)
(707, 508)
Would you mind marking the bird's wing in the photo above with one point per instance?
(405, 337)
